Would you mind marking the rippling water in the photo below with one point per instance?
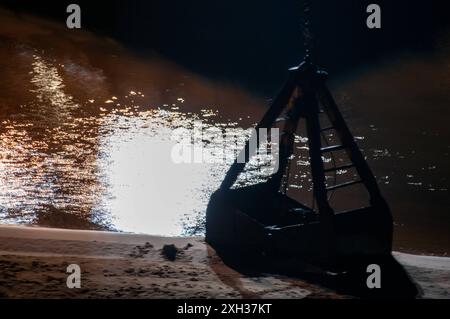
(87, 131)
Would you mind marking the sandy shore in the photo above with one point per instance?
(33, 263)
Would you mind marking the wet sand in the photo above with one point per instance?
(33, 263)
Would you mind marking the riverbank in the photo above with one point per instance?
(33, 264)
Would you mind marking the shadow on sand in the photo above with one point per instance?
(350, 279)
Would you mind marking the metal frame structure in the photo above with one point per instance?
(305, 95)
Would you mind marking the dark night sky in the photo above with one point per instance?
(252, 43)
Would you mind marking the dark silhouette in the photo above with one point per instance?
(260, 228)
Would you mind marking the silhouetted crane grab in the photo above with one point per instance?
(262, 220)
(260, 228)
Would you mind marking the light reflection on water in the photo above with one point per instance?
(147, 191)
(104, 163)
(46, 154)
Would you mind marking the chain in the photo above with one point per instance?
(306, 25)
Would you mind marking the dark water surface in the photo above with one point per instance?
(87, 130)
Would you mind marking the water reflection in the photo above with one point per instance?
(83, 146)
(147, 191)
(46, 154)
(70, 165)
